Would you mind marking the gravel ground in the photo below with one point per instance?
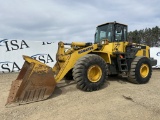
(117, 100)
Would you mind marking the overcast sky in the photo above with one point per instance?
(72, 20)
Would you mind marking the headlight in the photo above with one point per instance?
(105, 42)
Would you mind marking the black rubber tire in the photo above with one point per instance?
(80, 72)
(134, 75)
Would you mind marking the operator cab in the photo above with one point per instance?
(113, 32)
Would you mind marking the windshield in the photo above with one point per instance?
(103, 32)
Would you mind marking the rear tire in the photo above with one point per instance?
(90, 72)
(140, 71)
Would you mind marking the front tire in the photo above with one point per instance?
(90, 72)
(140, 71)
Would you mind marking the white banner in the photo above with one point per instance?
(11, 52)
(155, 53)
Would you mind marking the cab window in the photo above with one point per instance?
(118, 33)
(103, 32)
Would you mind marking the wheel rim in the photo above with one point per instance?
(94, 73)
(144, 70)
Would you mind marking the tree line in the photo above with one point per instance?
(147, 36)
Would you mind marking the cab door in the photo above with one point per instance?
(120, 37)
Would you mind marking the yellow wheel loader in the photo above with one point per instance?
(89, 64)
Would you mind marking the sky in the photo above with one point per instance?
(72, 20)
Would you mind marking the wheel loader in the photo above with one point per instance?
(89, 64)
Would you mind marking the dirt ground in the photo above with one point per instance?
(117, 100)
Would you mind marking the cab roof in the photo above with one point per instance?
(111, 23)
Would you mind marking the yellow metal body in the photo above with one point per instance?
(67, 59)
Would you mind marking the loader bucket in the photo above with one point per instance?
(35, 82)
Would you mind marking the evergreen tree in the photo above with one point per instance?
(148, 36)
